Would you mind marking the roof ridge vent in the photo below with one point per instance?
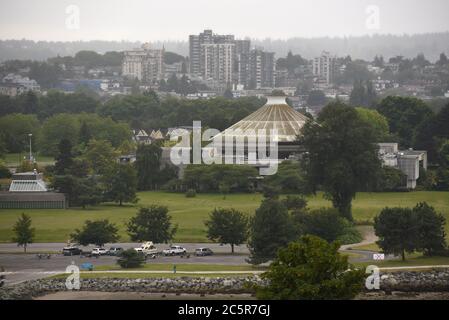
(275, 100)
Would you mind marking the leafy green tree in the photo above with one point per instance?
(324, 223)
(96, 232)
(431, 234)
(85, 134)
(391, 179)
(46, 74)
(227, 226)
(4, 171)
(100, 155)
(57, 128)
(363, 95)
(311, 269)
(131, 259)
(341, 155)
(377, 122)
(396, 229)
(289, 178)
(218, 178)
(80, 191)
(121, 184)
(295, 202)
(14, 128)
(404, 116)
(291, 62)
(151, 223)
(23, 232)
(64, 159)
(2, 145)
(270, 229)
(57, 102)
(29, 102)
(88, 192)
(99, 128)
(8, 105)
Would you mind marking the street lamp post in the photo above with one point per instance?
(31, 154)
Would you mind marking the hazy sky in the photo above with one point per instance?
(175, 19)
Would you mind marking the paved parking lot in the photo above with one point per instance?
(29, 266)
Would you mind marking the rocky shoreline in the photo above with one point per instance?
(397, 284)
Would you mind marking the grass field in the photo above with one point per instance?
(15, 159)
(185, 267)
(209, 269)
(190, 213)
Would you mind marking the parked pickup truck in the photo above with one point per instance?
(147, 248)
(98, 251)
(174, 250)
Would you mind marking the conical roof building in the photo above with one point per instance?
(275, 114)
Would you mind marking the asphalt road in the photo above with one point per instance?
(29, 266)
(57, 247)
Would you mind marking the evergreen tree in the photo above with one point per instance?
(64, 159)
(431, 234)
(24, 234)
(148, 158)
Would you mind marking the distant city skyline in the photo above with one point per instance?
(140, 20)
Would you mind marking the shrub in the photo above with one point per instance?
(326, 224)
(350, 234)
(4, 171)
(131, 259)
(311, 269)
(190, 193)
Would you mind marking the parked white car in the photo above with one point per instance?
(98, 251)
(174, 250)
(147, 248)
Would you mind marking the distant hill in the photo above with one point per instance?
(366, 47)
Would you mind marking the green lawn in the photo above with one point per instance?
(184, 267)
(412, 260)
(169, 267)
(190, 213)
(14, 159)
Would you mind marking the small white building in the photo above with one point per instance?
(408, 161)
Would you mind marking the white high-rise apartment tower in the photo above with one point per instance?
(323, 67)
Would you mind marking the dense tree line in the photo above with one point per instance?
(149, 112)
